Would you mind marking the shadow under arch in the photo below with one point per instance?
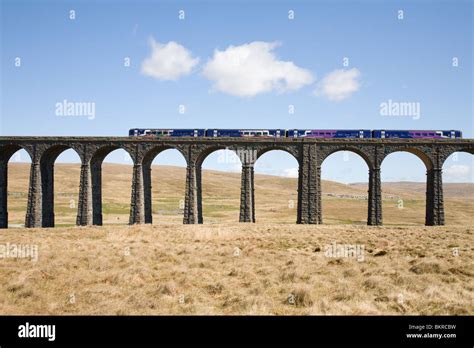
(276, 195)
(218, 197)
(96, 163)
(402, 198)
(6, 153)
(351, 198)
(148, 159)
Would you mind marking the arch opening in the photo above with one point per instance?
(221, 174)
(112, 175)
(47, 168)
(167, 192)
(276, 187)
(344, 188)
(66, 180)
(18, 165)
(404, 185)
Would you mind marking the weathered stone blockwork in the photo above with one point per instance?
(310, 154)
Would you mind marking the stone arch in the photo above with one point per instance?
(207, 150)
(292, 150)
(349, 201)
(99, 153)
(153, 152)
(364, 154)
(423, 155)
(6, 152)
(148, 158)
(452, 151)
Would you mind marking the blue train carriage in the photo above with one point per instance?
(153, 132)
(327, 133)
(416, 134)
(238, 133)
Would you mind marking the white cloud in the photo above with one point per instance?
(253, 68)
(168, 61)
(291, 172)
(458, 172)
(339, 84)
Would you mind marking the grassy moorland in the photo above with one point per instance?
(223, 267)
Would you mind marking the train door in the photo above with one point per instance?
(195, 133)
(295, 134)
(453, 134)
(214, 133)
(361, 134)
(382, 134)
(278, 133)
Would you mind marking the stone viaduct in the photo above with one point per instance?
(310, 154)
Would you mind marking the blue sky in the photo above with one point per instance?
(300, 60)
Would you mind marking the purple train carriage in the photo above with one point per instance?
(324, 133)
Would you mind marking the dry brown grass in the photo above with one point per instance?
(239, 269)
(222, 267)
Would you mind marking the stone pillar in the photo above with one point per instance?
(193, 195)
(47, 180)
(434, 198)
(34, 208)
(96, 175)
(137, 204)
(84, 206)
(3, 194)
(247, 194)
(309, 187)
(374, 198)
(147, 193)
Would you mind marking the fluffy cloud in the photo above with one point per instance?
(168, 61)
(458, 172)
(253, 68)
(339, 84)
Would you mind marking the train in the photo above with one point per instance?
(297, 133)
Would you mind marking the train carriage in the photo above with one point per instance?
(327, 133)
(416, 134)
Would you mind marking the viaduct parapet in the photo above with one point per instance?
(310, 154)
